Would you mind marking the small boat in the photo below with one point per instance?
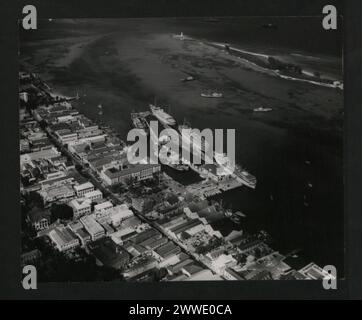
(212, 19)
(270, 26)
(179, 36)
(235, 219)
(307, 162)
(212, 95)
(189, 78)
(261, 109)
(100, 112)
(240, 214)
(310, 185)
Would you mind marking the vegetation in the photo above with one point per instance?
(57, 267)
(61, 211)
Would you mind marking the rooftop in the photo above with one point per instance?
(91, 225)
(80, 203)
(115, 173)
(83, 186)
(103, 206)
(109, 253)
(36, 214)
(62, 236)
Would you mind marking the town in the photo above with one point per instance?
(89, 214)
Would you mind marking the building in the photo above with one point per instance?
(39, 155)
(92, 139)
(143, 265)
(107, 227)
(223, 261)
(66, 136)
(109, 254)
(142, 204)
(57, 192)
(83, 236)
(230, 274)
(93, 227)
(83, 188)
(30, 257)
(204, 275)
(123, 234)
(94, 195)
(315, 272)
(169, 261)
(101, 209)
(75, 226)
(137, 172)
(258, 275)
(80, 206)
(63, 238)
(39, 219)
(167, 250)
(79, 149)
(119, 213)
(191, 269)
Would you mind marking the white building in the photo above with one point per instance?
(63, 238)
(83, 188)
(97, 138)
(37, 155)
(94, 195)
(119, 213)
(93, 227)
(222, 262)
(80, 206)
(66, 136)
(196, 229)
(100, 209)
(67, 118)
(57, 192)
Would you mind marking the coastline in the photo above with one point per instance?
(126, 80)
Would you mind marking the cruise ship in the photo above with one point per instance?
(162, 116)
(192, 137)
(247, 178)
(241, 174)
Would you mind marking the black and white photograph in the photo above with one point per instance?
(182, 149)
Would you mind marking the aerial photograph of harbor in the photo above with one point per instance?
(268, 206)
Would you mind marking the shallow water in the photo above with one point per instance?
(135, 62)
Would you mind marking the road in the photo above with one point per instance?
(116, 198)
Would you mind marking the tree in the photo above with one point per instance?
(34, 199)
(43, 124)
(61, 211)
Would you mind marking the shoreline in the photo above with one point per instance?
(297, 107)
(264, 61)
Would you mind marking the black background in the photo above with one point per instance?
(10, 272)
